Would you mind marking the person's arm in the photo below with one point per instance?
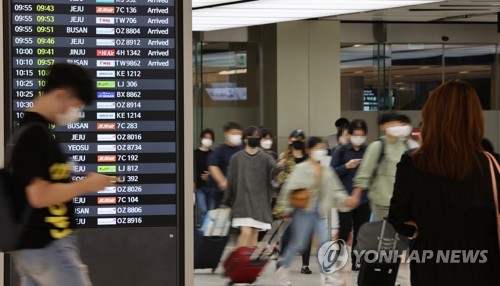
(213, 167)
(41, 193)
(400, 208)
(232, 181)
(364, 175)
(336, 163)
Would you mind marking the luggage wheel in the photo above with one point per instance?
(213, 270)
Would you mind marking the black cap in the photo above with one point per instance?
(297, 133)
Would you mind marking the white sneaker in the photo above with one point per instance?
(282, 276)
(332, 280)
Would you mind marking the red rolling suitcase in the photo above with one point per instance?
(245, 264)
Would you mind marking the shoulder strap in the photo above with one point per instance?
(494, 165)
(380, 158)
(382, 152)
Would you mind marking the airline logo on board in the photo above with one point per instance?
(106, 200)
(106, 148)
(106, 158)
(106, 137)
(105, 53)
(105, 42)
(108, 190)
(106, 126)
(106, 221)
(104, 63)
(105, 10)
(105, 20)
(105, 31)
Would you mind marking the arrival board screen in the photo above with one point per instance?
(130, 129)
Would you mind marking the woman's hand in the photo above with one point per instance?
(414, 224)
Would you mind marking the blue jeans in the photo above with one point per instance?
(204, 202)
(303, 226)
(56, 264)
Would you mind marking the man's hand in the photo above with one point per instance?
(352, 202)
(205, 176)
(354, 163)
(96, 182)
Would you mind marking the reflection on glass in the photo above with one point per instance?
(401, 76)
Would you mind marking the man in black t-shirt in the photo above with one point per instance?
(49, 254)
(218, 161)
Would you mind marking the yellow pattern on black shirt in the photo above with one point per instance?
(59, 212)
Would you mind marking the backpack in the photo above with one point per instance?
(13, 222)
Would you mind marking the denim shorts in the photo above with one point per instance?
(56, 264)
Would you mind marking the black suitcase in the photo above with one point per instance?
(208, 250)
(377, 272)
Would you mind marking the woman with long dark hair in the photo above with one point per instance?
(443, 195)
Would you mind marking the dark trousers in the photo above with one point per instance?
(352, 221)
(306, 255)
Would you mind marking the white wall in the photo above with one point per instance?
(188, 146)
(308, 77)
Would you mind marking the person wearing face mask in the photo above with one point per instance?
(249, 191)
(333, 140)
(204, 194)
(325, 191)
(377, 170)
(218, 160)
(42, 176)
(407, 132)
(295, 153)
(345, 162)
(266, 142)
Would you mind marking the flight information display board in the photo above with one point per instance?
(130, 129)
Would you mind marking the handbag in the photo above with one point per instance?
(493, 163)
(300, 198)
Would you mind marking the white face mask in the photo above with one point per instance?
(358, 140)
(71, 116)
(396, 131)
(266, 144)
(235, 140)
(206, 142)
(318, 155)
(406, 130)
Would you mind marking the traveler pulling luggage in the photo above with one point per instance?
(379, 273)
(245, 264)
(211, 239)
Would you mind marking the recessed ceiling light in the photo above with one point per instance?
(424, 68)
(463, 72)
(358, 72)
(398, 76)
(357, 45)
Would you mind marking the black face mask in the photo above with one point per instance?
(253, 141)
(298, 145)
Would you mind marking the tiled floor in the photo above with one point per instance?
(207, 278)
